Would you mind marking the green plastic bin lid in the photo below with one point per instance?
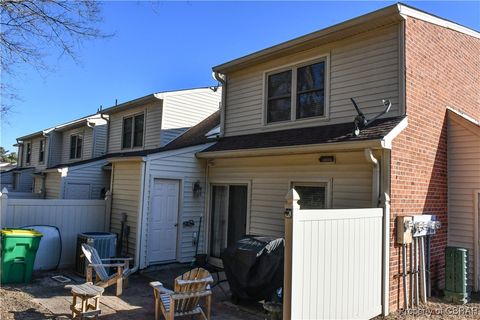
(20, 233)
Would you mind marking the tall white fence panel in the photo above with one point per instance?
(69, 216)
(333, 262)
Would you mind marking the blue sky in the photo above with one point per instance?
(173, 45)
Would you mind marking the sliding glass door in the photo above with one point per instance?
(228, 216)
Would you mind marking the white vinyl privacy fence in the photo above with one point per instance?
(333, 262)
(69, 216)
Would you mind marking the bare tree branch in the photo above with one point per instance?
(29, 27)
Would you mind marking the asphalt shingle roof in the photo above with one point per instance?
(342, 132)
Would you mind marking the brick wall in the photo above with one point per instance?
(442, 69)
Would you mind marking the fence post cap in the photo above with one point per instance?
(291, 202)
(4, 191)
(292, 195)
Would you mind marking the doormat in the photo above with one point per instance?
(61, 279)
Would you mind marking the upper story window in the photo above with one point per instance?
(76, 141)
(28, 156)
(132, 132)
(296, 93)
(41, 151)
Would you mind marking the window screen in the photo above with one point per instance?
(311, 197)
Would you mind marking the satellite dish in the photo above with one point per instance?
(361, 122)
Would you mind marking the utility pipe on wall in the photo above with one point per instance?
(375, 176)
(223, 80)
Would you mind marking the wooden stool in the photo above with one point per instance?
(86, 308)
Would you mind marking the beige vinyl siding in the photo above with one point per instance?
(87, 144)
(53, 185)
(37, 184)
(126, 178)
(182, 110)
(463, 179)
(153, 123)
(179, 165)
(365, 67)
(271, 178)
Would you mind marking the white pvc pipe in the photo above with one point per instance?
(375, 176)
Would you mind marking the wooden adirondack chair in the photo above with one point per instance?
(185, 299)
(102, 279)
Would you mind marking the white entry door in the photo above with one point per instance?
(163, 221)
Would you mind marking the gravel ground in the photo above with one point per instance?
(15, 304)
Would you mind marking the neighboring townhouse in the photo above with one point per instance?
(287, 121)
(77, 169)
(64, 161)
(33, 151)
(151, 146)
(463, 160)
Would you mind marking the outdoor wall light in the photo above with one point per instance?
(197, 189)
(327, 159)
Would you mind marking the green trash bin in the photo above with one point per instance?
(19, 248)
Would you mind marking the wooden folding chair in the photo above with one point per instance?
(185, 299)
(102, 279)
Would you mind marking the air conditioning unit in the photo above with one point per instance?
(104, 242)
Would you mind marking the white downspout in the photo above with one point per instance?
(384, 201)
(375, 177)
(206, 204)
(140, 218)
(94, 139)
(223, 80)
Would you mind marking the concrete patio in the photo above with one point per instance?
(45, 298)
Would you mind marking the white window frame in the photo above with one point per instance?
(293, 110)
(78, 134)
(133, 115)
(44, 141)
(327, 183)
(28, 152)
(227, 183)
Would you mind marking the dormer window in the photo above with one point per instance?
(76, 141)
(132, 132)
(298, 92)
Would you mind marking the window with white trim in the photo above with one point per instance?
(28, 153)
(41, 152)
(76, 141)
(312, 195)
(132, 131)
(296, 93)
